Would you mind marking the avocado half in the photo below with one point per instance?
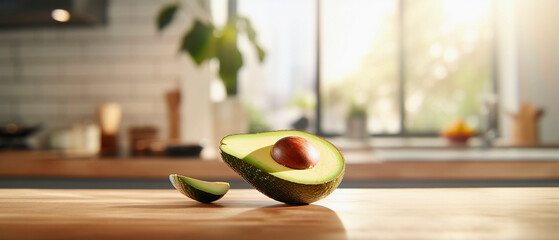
(249, 156)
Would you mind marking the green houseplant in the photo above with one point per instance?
(205, 41)
(357, 121)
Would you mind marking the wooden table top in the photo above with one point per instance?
(461, 213)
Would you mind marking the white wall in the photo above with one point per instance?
(538, 61)
(508, 64)
(528, 49)
(57, 76)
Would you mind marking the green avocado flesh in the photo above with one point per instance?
(201, 191)
(249, 155)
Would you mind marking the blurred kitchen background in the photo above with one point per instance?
(89, 86)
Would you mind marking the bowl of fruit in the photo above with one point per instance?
(458, 132)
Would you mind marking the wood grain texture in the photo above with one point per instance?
(481, 213)
(116, 168)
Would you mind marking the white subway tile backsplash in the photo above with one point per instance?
(160, 108)
(5, 118)
(22, 90)
(6, 109)
(49, 51)
(148, 3)
(136, 20)
(85, 69)
(119, 7)
(153, 88)
(40, 70)
(95, 49)
(169, 69)
(101, 89)
(137, 31)
(148, 10)
(150, 49)
(79, 108)
(39, 108)
(30, 50)
(54, 35)
(59, 76)
(134, 69)
(17, 35)
(54, 122)
(6, 51)
(65, 50)
(7, 72)
(118, 18)
(86, 34)
(138, 107)
(67, 90)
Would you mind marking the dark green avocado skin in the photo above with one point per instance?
(194, 193)
(279, 189)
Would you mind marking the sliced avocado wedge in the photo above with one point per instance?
(249, 155)
(201, 191)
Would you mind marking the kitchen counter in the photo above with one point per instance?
(50, 165)
(466, 213)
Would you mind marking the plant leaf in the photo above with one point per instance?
(230, 58)
(200, 42)
(261, 53)
(166, 15)
(246, 26)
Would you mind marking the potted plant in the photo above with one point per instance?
(357, 122)
(205, 41)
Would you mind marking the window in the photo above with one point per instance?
(448, 62)
(280, 93)
(359, 64)
(411, 66)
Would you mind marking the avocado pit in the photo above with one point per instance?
(295, 152)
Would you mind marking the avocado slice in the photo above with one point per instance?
(249, 155)
(201, 191)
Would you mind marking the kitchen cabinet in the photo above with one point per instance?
(49, 165)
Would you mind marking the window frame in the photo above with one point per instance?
(493, 122)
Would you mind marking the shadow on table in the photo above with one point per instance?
(230, 220)
(292, 222)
